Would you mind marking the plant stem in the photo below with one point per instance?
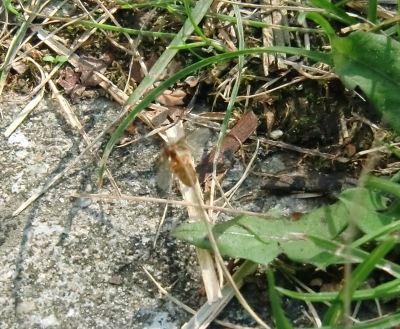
(372, 11)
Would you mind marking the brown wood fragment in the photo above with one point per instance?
(313, 181)
(295, 216)
(269, 119)
(244, 128)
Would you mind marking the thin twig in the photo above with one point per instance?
(302, 150)
(110, 197)
(229, 194)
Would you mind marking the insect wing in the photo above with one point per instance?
(177, 160)
(164, 174)
(196, 140)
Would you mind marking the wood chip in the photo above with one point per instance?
(244, 128)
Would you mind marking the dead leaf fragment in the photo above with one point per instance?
(244, 128)
(192, 81)
(137, 73)
(172, 98)
(19, 67)
(68, 79)
(87, 65)
(350, 150)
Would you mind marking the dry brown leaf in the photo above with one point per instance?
(19, 67)
(192, 81)
(68, 79)
(172, 68)
(171, 98)
(243, 129)
(87, 65)
(137, 73)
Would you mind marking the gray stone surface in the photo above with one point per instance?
(78, 263)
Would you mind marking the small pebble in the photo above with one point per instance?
(276, 134)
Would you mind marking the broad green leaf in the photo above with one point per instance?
(238, 238)
(327, 222)
(371, 62)
(367, 209)
(261, 240)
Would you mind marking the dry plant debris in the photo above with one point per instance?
(302, 104)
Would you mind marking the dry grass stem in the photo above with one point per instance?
(229, 194)
(193, 194)
(294, 81)
(30, 106)
(302, 150)
(110, 197)
(74, 123)
(274, 37)
(184, 306)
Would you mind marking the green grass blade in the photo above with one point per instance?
(335, 313)
(372, 11)
(14, 46)
(11, 8)
(281, 321)
(382, 185)
(334, 12)
(320, 20)
(197, 29)
(387, 229)
(383, 323)
(392, 149)
(353, 254)
(235, 89)
(386, 290)
(190, 46)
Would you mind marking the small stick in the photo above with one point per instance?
(111, 197)
(302, 150)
